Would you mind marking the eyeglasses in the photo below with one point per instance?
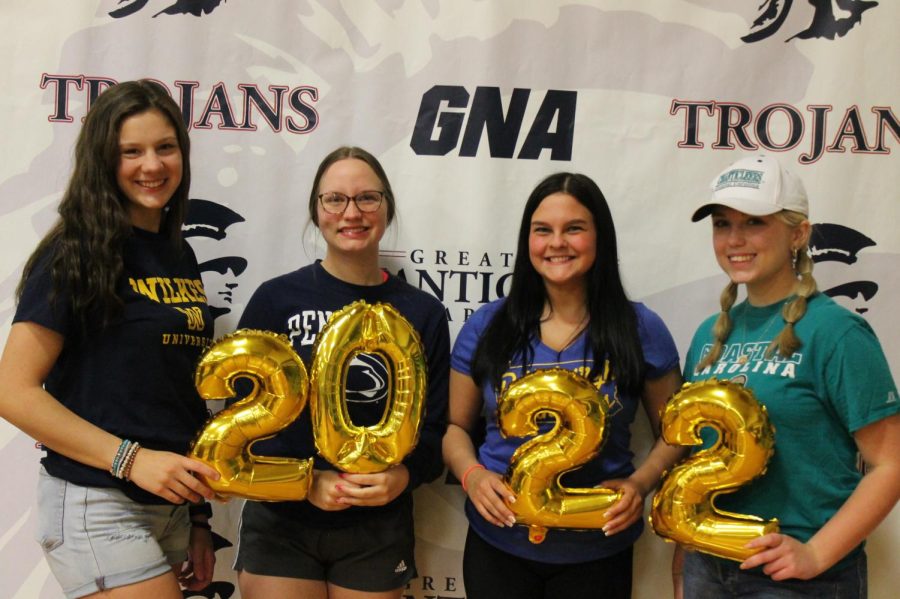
(334, 202)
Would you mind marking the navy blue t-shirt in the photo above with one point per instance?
(298, 304)
(135, 378)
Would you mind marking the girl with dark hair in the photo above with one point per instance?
(98, 365)
(566, 309)
(826, 385)
(353, 536)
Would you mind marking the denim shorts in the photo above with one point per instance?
(707, 577)
(376, 555)
(96, 538)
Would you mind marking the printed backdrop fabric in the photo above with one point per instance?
(468, 104)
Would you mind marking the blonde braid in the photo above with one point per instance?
(722, 327)
(787, 342)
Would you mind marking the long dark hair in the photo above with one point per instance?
(84, 248)
(613, 326)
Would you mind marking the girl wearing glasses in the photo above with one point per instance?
(566, 309)
(353, 536)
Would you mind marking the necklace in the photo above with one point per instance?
(744, 358)
(560, 343)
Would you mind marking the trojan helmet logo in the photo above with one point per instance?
(836, 246)
(206, 227)
(831, 18)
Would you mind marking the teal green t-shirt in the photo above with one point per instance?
(835, 384)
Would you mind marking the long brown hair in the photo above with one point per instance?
(84, 247)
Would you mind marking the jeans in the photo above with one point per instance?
(707, 577)
(96, 538)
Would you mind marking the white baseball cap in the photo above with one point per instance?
(756, 185)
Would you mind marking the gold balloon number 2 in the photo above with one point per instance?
(280, 392)
(278, 396)
(683, 509)
(579, 410)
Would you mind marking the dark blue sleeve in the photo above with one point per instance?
(425, 463)
(40, 305)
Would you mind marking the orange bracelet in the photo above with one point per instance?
(468, 472)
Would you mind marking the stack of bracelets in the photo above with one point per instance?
(124, 460)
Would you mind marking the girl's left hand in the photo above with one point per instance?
(197, 572)
(373, 489)
(783, 557)
(627, 510)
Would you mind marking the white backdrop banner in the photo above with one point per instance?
(468, 104)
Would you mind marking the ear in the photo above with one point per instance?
(800, 235)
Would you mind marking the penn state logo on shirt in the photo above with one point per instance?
(367, 380)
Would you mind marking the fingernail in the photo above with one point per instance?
(339, 488)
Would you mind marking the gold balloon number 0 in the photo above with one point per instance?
(580, 411)
(683, 509)
(280, 395)
(363, 328)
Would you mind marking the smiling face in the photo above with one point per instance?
(756, 251)
(150, 166)
(562, 240)
(352, 233)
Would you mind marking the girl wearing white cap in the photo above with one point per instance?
(825, 382)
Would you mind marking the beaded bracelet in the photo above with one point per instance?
(117, 461)
(129, 460)
(124, 460)
(468, 472)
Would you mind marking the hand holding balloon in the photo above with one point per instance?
(374, 489)
(783, 557)
(490, 495)
(325, 491)
(172, 476)
(627, 510)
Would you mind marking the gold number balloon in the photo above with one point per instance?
(536, 466)
(683, 509)
(279, 395)
(364, 328)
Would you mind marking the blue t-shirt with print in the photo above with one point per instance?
(615, 458)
